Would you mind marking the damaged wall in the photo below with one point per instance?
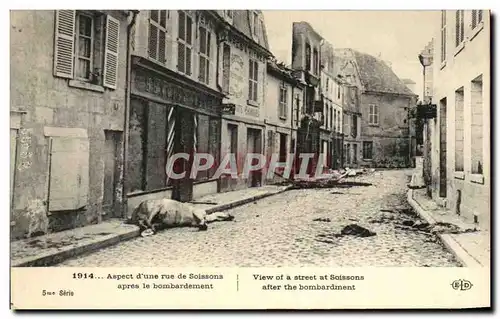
(52, 107)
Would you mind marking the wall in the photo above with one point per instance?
(48, 101)
(391, 137)
(462, 65)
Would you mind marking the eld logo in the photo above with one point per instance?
(461, 284)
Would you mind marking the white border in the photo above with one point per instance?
(189, 4)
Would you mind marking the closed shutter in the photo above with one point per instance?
(212, 54)
(64, 43)
(69, 173)
(111, 52)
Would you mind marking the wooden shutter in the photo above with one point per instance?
(212, 54)
(64, 43)
(111, 52)
(69, 173)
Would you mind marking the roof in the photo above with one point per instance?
(241, 21)
(284, 71)
(376, 76)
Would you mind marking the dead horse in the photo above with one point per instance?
(154, 214)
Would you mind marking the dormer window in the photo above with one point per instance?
(229, 14)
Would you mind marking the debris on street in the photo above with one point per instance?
(326, 220)
(356, 230)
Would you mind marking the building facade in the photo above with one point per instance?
(284, 97)
(175, 104)
(384, 103)
(67, 113)
(460, 134)
(354, 148)
(332, 96)
(244, 56)
(306, 59)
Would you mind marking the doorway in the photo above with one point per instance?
(111, 155)
(254, 146)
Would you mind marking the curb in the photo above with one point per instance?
(51, 259)
(243, 201)
(465, 259)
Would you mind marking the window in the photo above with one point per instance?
(297, 106)
(82, 52)
(477, 18)
(283, 151)
(477, 125)
(443, 35)
(316, 61)
(229, 14)
(367, 150)
(84, 44)
(459, 130)
(354, 153)
(308, 57)
(226, 67)
(253, 80)
(204, 63)
(327, 85)
(335, 120)
(459, 27)
(157, 35)
(354, 130)
(331, 118)
(254, 21)
(373, 117)
(184, 43)
(339, 122)
(283, 101)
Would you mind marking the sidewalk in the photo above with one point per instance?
(472, 248)
(53, 248)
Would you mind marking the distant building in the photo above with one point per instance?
(410, 84)
(384, 103)
(306, 51)
(331, 128)
(284, 98)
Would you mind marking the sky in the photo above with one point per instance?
(395, 36)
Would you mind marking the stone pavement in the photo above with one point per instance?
(294, 228)
(472, 248)
(53, 248)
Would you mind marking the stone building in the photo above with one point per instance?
(352, 141)
(306, 59)
(460, 133)
(332, 126)
(284, 99)
(384, 103)
(244, 54)
(175, 103)
(67, 113)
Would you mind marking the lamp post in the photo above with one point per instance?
(425, 59)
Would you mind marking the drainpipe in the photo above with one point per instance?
(127, 111)
(219, 87)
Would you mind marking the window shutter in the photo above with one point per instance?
(111, 52)
(64, 44)
(212, 54)
(69, 173)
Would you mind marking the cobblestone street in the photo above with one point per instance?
(284, 230)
